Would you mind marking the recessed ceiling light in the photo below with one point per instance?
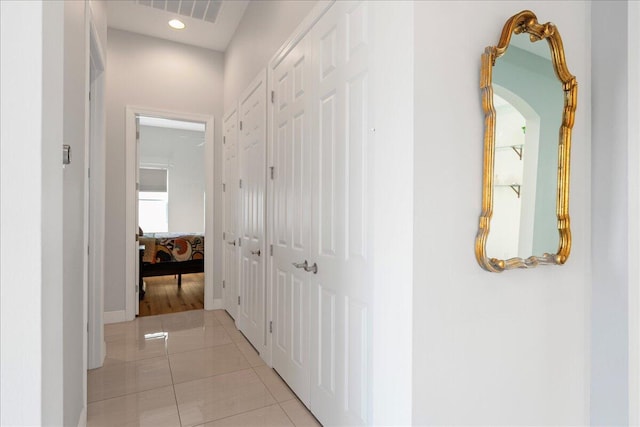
(176, 24)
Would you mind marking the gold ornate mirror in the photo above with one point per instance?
(529, 101)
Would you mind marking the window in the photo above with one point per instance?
(153, 201)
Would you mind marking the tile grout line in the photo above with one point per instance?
(244, 357)
(135, 391)
(175, 394)
(286, 413)
(266, 388)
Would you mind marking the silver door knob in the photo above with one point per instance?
(256, 252)
(301, 264)
(233, 242)
(313, 269)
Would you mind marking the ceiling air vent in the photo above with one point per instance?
(205, 10)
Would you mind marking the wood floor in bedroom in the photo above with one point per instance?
(163, 295)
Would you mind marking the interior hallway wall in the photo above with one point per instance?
(157, 74)
(76, 63)
(491, 349)
(615, 360)
(263, 29)
(31, 112)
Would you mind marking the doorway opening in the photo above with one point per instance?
(171, 215)
(169, 211)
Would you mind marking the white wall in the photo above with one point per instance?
(262, 30)
(491, 349)
(31, 297)
(155, 74)
(74, 251)
(614, 167)
(633, 160)
(183, 153)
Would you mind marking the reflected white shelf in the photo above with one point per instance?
(515, 187)
(516, 147)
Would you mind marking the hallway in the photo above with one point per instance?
(192, 368)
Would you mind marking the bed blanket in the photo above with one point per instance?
(172, 249)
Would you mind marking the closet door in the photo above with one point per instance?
(291, 219)
(231, 213)
(252, 147)
(340, 295)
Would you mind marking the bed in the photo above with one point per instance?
(163, 254)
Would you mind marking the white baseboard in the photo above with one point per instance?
(114, 316)
(82, 421)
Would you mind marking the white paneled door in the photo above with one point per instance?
(340, 292)
(321, 265)
(252, 155)
(290, 155)
(231, 209)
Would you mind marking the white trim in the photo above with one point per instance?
(218, 304)
(301, 30)
(633, 78)
(95, 197)
(130, 223)
(114, 317)
(82, 421)
(86, 208)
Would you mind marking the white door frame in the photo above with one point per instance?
(95, 196)
(131, 164)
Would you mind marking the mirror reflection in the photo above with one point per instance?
(528, 100)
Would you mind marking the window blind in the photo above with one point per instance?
(153, 180)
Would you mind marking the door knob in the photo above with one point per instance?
(256, 252)
(313, 269)
(233, 242)
(301, 264)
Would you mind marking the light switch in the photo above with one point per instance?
(66, 154)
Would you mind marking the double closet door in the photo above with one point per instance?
(320, 298)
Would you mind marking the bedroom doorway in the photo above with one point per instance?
(171, 218)
(169, 211)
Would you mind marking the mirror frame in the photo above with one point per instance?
(526, 22)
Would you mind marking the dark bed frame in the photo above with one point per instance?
(148, 269)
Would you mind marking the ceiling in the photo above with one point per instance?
(209, 23)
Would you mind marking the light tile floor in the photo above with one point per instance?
(192, 368)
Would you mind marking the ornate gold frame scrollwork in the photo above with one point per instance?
(526, 22)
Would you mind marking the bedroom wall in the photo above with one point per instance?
(488, 348)
(156, 74)
(262, 30)
(181, 151)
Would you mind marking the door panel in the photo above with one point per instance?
(291, 222)
(319, 148)
(252, 152)
(231, 213)
(339, 295)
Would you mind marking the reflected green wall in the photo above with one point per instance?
(533, 79)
